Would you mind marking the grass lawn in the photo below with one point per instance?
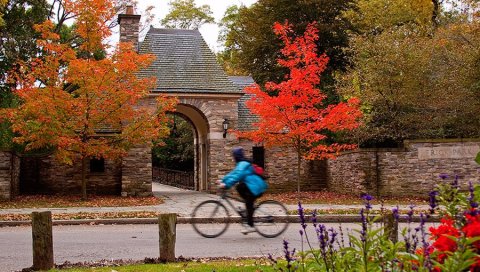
(65, 201)
(200, 266)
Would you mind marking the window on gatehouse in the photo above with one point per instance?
(97, 165)
(258, 156)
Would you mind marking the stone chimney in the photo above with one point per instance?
(129, 26)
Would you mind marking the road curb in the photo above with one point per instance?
(188, 220)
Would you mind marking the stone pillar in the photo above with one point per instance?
(5, 175)
(220, 149)
(137, 172)
(15, 185)
(129, 26)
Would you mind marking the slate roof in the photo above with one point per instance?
(184, 63)
(245, 117)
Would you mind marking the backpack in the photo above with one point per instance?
(258, 170)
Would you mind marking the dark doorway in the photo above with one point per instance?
(30, 179)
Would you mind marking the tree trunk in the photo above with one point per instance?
(42, 238)
(299, 160)
(84, 180)
(435, 12)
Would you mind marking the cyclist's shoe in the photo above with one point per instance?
(248, 229)
(243, 213)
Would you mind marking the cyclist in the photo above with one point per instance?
(250, 186)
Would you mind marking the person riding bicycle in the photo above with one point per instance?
(250, 185)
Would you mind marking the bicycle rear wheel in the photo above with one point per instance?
(270, 218)
(210, 218)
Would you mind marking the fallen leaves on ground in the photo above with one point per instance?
(83, 215)
(64, 201)
(324, 197)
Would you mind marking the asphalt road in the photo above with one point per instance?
(110, 242)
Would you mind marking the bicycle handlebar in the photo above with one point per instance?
(222, 192)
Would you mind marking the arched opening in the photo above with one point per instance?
(183, 160)
(173, 161)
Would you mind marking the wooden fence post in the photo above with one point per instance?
(390, 227)
(167, 233)
(42, 240)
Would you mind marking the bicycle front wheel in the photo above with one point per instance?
(270, 218)
(210, 219)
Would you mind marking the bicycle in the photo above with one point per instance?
(269, 216)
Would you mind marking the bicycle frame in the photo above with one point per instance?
(227, 197)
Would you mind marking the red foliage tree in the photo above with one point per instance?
(292, 113)
(82, 107)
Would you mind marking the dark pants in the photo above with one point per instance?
(249, 198)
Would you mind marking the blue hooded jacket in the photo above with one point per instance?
(243, 171)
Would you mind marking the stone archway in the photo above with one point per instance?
(200, 126)
(206, 112)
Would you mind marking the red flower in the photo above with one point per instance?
(442, 237)
(472, 228)
(476, 266)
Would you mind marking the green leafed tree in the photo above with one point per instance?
(186, 15)
(251, 46)
(229, 57)
(17, 36)
(2, 7)
(177, 152)
(417, 75)
(375, 16)
(17, 43)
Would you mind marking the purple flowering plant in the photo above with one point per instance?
(367, 249)
(370, 247)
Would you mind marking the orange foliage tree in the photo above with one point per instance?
(80, 106)
(292, 113)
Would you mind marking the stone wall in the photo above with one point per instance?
(5, 175)
(45, 175)
(9, 175)
(410, 171)
(281, 167)
(137, 172)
